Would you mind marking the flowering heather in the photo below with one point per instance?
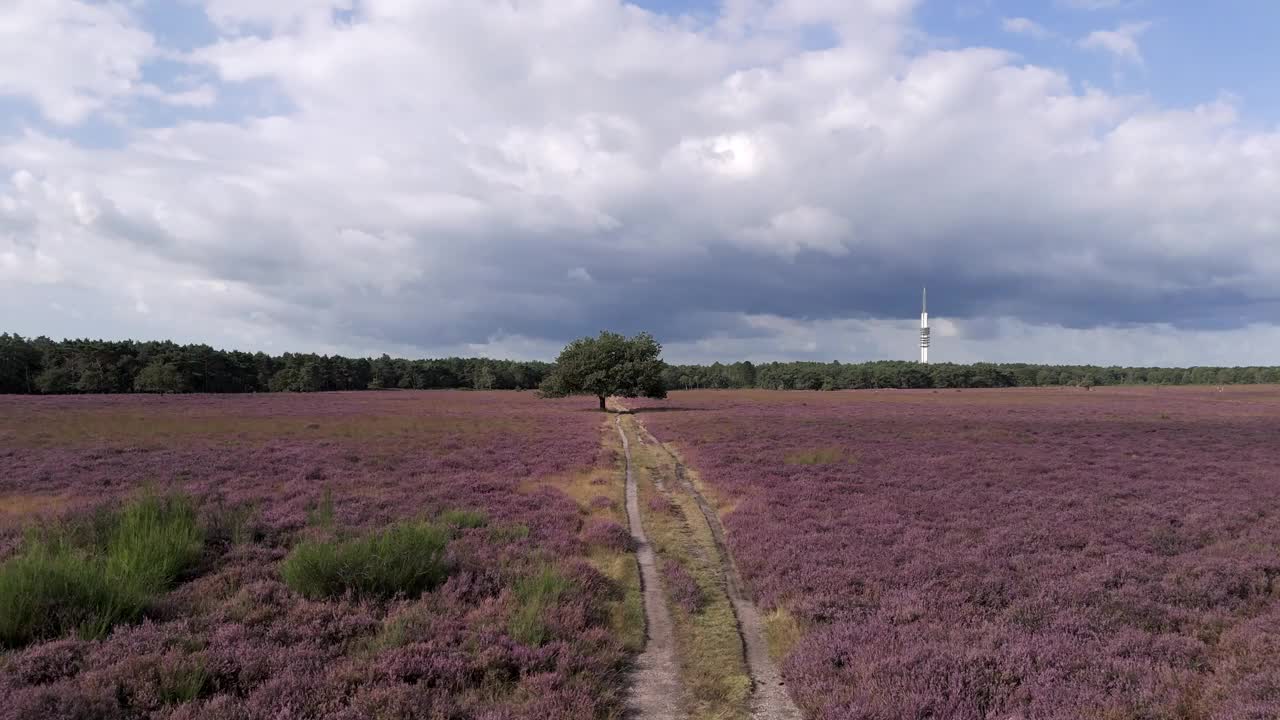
(682, 587)
(1033, 554)
(608, 534)
(265, 472)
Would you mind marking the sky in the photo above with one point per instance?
(1076, 181)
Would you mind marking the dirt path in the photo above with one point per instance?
(769, 699)
(655, 693)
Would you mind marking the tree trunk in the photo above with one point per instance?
(602, 407)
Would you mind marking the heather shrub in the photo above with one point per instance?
(535, 594)
(682, 587)
(407, 559)
(464, 519)
(607, 534)
(48, 662)
(662, 505)
(89, 578)
(64, 701)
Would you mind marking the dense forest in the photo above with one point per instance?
(101, 366)
(47, 366)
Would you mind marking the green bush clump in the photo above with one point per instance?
(88, 579)
(407, 559)
(534, 594)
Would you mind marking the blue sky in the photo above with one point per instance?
(1075, 180)
(1193, 51)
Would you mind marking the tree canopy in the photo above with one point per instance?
(609, 364)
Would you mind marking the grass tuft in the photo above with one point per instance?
(404, 559)
(463, 519)
(321, 515)
(89, 578)
(183, 682)
(782, 632)
(534, 594)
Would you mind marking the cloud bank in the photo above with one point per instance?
(440, 177)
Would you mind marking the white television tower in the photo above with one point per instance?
(924, 326)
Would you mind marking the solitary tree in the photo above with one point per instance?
(608, 365)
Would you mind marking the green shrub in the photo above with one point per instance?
(404, 559)
(90, 577)
(463, 519)
(535, 594)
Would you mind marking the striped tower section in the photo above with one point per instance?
(924, 326)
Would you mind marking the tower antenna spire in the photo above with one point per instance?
(924, 326)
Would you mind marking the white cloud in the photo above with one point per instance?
(69, 57)
(1024, 26)
(1121, 42)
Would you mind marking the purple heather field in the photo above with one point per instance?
(953, 555)
(237, 638)
(1029, 554)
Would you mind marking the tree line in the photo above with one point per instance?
(901, 374)
(45, 366)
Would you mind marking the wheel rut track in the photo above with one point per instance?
(769, 700)
(655, 692)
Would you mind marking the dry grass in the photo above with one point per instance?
(29, 505)
(708, 645)
(782, 631)
(818, 456)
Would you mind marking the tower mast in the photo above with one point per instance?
(924, 326)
